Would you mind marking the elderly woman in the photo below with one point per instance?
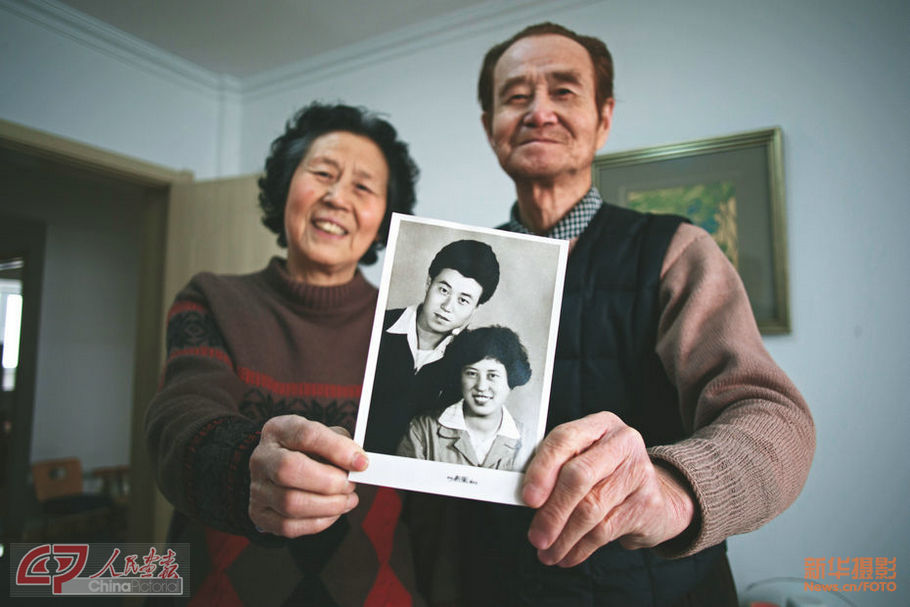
(477, 430)
(250, 432)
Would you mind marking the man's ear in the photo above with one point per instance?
(487, 124)
(606, 121)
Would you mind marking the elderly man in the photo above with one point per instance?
(409, 369)
(670, 427)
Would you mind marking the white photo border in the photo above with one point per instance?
(456, 480)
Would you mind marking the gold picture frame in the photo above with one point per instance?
(733, 186)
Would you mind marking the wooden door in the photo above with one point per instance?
(214, 226)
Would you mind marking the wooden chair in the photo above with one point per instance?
(67, 513)
(57, 478)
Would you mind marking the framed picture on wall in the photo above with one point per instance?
(457, 382)
(732, 187)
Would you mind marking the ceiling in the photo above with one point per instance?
(240, 38)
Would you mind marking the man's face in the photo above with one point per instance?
(449, 303)
(544, 123)
(485, 387)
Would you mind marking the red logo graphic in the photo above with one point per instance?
(33, 570)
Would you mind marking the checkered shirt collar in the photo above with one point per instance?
(569, 227)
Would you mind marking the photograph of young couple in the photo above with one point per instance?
(462, 349)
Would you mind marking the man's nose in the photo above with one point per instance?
(541, 111)
(446, 303)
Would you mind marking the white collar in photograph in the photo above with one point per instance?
(407, 325)
(453, 417)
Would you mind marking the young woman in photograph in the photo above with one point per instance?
(478, 430)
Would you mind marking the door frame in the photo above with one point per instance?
(22, 238)
(157, 182)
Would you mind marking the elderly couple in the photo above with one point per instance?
(670, 427)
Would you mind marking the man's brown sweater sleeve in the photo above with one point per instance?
(752, 436)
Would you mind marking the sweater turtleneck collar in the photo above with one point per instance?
(314, 296)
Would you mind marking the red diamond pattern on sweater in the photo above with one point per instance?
(216, 588)
(379, 525)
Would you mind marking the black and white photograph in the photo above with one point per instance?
(458, 374)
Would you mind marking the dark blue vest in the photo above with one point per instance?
(605, 360)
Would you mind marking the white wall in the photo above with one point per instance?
(57, 75)
(832, 74)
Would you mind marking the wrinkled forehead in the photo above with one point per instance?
(542, 56)
(342, 148)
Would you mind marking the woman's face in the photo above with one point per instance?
(484, 387)
(336, 203)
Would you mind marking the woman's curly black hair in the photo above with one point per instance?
(313, 121)
(496, 342)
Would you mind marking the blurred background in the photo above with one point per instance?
(131, 134)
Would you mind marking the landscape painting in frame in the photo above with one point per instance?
(710, 206)
(733, 187)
